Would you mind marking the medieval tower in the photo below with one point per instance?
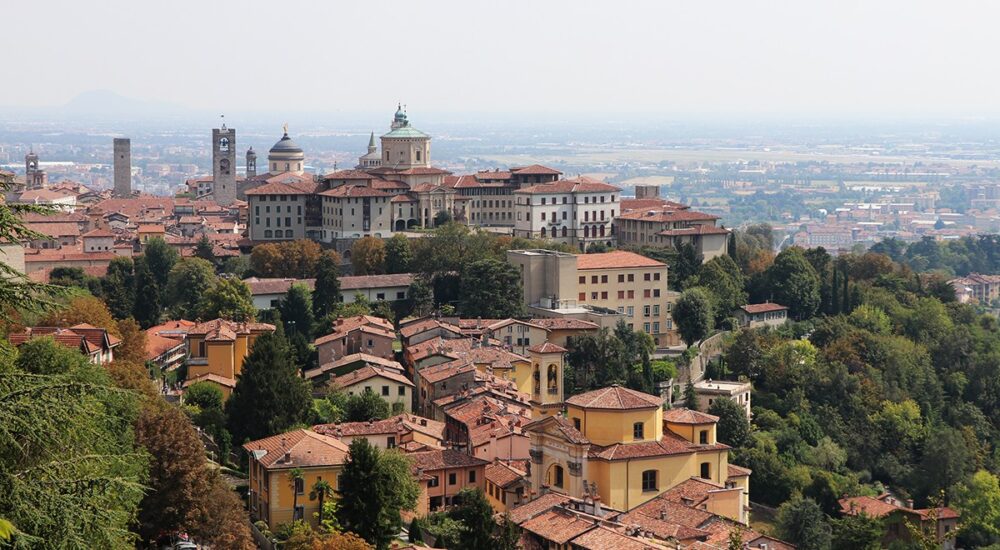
(123, 168)
(224, 165)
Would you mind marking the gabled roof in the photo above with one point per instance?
(304, 449)
(615, 398)
(668, 444)
(547, 347)
(368, 372)
(399, 424)
(386, 364)
(442, 459)
(561, 425)
(502, 475)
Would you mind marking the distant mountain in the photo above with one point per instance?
(106, 102)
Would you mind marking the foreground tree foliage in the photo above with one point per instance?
(185, 494)
(294, 259)
(187, 284)
(694, 315)
(326, 293)
(70, 476)
(374, 487)
(368, 256)
(230, 299)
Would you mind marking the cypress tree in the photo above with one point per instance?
(326, 294)
(834, 305)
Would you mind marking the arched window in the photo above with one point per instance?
(543, 232)
(538, 380)
(224, 145)
(268, 233)
(288, 232)
(553, 378)
(586, 231)
(602, 230)
(564, 231)
(649, 480)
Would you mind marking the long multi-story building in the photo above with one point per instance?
(577, 212)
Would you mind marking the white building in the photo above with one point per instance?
(577, 211)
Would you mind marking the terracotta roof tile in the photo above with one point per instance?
(619, 259)
(547, 347)
(615, 398)
(687, 416)
(558, 525)
(304, 448)
(763, 308)
(443, 459)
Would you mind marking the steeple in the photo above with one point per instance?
(371, 144)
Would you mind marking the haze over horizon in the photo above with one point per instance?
(783, 58)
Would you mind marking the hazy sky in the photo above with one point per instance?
(665, 57)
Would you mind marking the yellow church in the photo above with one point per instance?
(619, 446)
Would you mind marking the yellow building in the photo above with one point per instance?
(217, 349)
(275, 496)
(619, 444)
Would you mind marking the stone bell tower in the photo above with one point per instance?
(224, 165)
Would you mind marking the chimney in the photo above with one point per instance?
(909, 503)
(287, 458)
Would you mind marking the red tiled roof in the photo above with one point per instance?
(210, 377)
(619, 259)
(157, 345)
(401, 423)
(547, 347)
(615, 398)
(354, 191)
(535, 169)
(558, 525)
(305, 448)
(687, 416)
(368, 372)
(441, 459)
(537, 506)
(354, 358)
(561, 425)
(278, 188)
(604, 538)
(348, 175)
(501, 474)
(737, 471)
(568, 186)
(763, 308)
(666, 216)
(668, 444)
(98, 233)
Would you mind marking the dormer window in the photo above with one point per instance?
(703, 437)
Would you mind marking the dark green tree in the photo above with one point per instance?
(229, 298)
(160, 257)
(690, 397)
(857, 532)
(269, 396)
(203, 249)
(398, 254)
(118, 287)
(187, 284)
(366, 406)
(684, 266)
(296, 310)
(802, 522)
(148, 307)
(722, 278)
(693, 315)
(491, 289)
(421, 296)
(326, 293)
(476, 515)
(374, 487)
(794, 283)
(733, 428)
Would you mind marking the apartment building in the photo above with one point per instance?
(662, 223)
(576, 211)
(628, 285)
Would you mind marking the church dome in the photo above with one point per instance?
(286, 146)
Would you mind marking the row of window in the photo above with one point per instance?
(277, 198)
(452, 479)
(565, 200)
(623, 294)
(278, 234)
(277, 209)
(603, 279)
